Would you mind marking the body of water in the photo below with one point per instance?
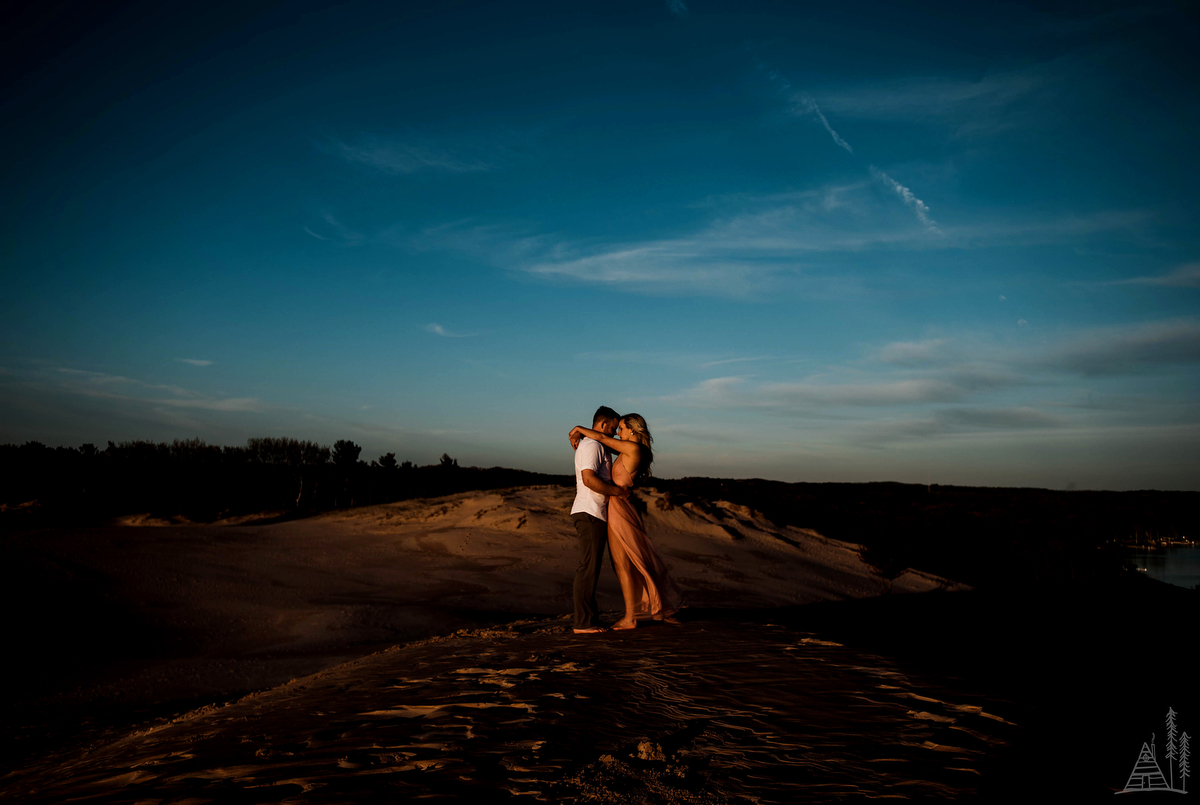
(1179, 565)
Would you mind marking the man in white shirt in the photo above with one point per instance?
(593, 486)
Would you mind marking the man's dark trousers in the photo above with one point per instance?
(593, 537)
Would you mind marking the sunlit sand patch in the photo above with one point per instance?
(415, 711)
(304, 784)
(812, 641)
(910, 695)
(227, 772)
(129, 778)
(936, 747)
(995, 718)
(921, 715)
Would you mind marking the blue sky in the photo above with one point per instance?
(857, 242)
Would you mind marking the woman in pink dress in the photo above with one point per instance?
(645, 583)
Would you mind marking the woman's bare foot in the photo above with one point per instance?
(671, 619)
(625, 623)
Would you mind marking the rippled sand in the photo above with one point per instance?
(120, 633)
(710, 711)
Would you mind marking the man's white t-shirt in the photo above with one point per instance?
(591, 455)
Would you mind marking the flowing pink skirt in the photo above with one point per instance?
(656, 593)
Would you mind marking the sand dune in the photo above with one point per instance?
(149, 615)
(171, 611)
(523, 544)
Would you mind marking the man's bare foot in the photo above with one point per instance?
(625, 623)
(591, 630)
(671, 619)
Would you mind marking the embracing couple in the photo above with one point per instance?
(605, 470)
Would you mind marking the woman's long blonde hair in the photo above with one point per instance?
(641, 434)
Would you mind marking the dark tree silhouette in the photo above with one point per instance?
(269, 476)
(345, 453)
(292, 452)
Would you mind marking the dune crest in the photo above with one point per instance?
(721, 553)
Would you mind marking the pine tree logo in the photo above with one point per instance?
(1147, 774)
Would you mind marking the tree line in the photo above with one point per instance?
(205, 482)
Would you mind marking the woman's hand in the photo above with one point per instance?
(575, 437)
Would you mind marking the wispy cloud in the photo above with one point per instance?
(803, 105)
(702, 434)
(195, 361)
(757, 245)
(88, 382)
(915, 353)
(735, 360)
(1187, 276)
(1043, 231)
(438, 329)
(671, 267)
(130, 390)
(894, 392)
(335, 230)
(954, 421)
(919, 208)
(750, 254)
(677, 7)
(1125, 349)
(673, 359)
(993, 104)
(950, 394)
(736, 392)
(398, 156)
(715, 392)
(829, 197)
(489, 242)
(754, 254)
(1020, 417)
(965, 388)
(210, 404)
(975, 362)
(919, 98)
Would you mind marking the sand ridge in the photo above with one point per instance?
(147, 613)
(721, 554)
